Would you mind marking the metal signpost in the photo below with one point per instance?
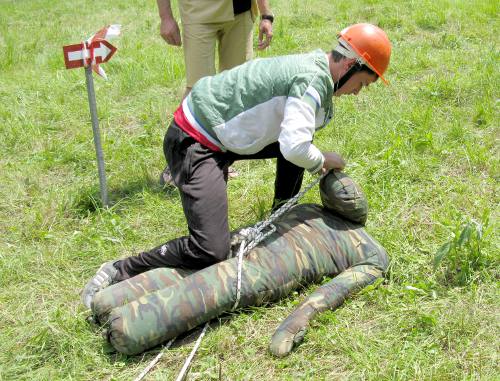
(97, 135)
(89, 54)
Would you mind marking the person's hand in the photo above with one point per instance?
(333, 161)
(265, 34)
(169, 30)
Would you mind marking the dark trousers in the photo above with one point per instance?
(201, 176)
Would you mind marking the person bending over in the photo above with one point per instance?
(265, 108)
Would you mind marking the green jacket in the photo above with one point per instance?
(281, 99)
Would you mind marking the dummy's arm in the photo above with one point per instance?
(329, 296)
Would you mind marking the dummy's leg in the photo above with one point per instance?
(131, 289)
(235, 41)
(329, 296)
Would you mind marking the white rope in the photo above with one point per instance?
(154, 361)
(241, 251)
(184, 369)
(253, 236)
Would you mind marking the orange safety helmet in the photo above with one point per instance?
(371, 44)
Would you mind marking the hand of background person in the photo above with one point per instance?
(333, 161)
(169, 30)
(265, 34)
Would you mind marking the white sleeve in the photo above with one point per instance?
(296, 135)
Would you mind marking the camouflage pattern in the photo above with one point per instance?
(328, 296)
(341, 195)
(121, 293)
(309, 243)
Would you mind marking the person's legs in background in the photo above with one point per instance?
(199, 51)
(235, 41)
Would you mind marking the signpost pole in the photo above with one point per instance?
(90, 54)
(97, 137)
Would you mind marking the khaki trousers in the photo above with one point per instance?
(234, 39)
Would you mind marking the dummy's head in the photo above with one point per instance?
(341, 195)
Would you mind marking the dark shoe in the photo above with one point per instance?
(103, 278)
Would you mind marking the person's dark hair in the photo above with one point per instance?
(337, 57)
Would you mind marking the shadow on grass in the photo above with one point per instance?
(184, 339)
(88, 200)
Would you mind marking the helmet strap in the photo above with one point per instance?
(357, 67)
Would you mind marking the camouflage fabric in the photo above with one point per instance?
(131, 289)
(309, 243)
(328, 296)
(343, 196)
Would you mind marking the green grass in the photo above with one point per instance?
(425, 150)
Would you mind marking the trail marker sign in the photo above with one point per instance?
(90, 54)
(83, 54)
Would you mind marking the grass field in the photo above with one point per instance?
(425, 150)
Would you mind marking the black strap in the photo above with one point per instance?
(357, 67)
(240, 6)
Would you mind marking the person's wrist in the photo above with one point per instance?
(167, 18)
(269, 17)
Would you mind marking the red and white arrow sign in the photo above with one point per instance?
(94, 51)
(84, 54)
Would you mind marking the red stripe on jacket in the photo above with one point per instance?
(183, 123)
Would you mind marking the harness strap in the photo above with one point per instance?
(347, 76)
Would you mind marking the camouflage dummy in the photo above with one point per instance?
(310, 242)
